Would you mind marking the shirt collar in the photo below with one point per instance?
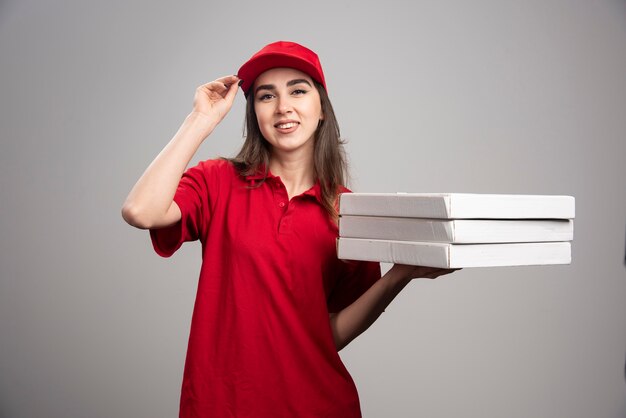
(260, 174)
(315, 191)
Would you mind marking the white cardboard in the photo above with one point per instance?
(446, 255)
(458, 205)
(456, 231)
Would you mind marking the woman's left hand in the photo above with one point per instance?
(419, 272)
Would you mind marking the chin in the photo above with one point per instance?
(287, 145)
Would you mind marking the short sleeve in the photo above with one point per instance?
(357, 277)
(192, 198)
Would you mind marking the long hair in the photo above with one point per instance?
(329, 160)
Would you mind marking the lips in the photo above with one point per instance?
(286, 126)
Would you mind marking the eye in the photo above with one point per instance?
(298, 92)
(265, 97)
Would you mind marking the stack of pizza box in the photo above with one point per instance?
(456, 230)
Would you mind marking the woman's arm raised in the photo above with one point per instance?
(150, 203)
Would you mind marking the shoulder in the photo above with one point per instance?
(210, 174)
(214, 169)
(216, 165)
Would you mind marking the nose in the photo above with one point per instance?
(283, 105)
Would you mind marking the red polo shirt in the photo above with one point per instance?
(260, 343)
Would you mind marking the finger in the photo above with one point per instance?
(444, 272)
(433, 273)
(432, 270)
(232, 92)
(228, 81)
(441, 272)
(221, 84)
(214, 86)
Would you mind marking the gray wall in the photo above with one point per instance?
(486, 96)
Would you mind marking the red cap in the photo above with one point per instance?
(281, 54)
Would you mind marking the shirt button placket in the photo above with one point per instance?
(282, 201)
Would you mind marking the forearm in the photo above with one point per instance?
(356, 318)
(149, 201)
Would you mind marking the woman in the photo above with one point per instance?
(274, 304)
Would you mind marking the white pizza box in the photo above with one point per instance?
(446, 255)
(457, 205)
(456, 230)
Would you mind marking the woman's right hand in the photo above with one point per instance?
(215, 99)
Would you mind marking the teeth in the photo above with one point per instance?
(286, 125)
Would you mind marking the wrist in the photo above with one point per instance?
(397, 278)
(202, 121)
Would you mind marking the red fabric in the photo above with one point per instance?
(281, 54)
(260, 343)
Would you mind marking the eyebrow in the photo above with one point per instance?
(289, 84)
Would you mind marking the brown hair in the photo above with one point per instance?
(329, 160)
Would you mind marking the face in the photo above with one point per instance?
(288, 109)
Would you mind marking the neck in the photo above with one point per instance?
(296, 171)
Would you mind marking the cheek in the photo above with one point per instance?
(262, 122)
(261, 116)
(318, 111)
(316, 108)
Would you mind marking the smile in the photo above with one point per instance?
(286, 125)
